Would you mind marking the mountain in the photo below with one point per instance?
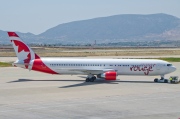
(118, 28)
(27, 37)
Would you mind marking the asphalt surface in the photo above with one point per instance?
(32, 95)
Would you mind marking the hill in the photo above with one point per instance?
(118, 28)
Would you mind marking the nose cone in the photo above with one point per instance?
(173, 68)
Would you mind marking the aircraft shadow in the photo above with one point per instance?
(82, 82)
(104, 82)
(90, 83)
(135, 81)
(74, 85)
(27, 80)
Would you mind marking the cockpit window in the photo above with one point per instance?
(169, 65)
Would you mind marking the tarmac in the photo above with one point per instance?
(28, 94)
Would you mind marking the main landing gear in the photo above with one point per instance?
(90, 78)
(161, 80)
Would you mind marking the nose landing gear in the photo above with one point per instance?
(161, 80)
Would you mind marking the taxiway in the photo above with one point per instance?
(30, 95)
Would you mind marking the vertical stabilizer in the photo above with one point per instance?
(23, 52)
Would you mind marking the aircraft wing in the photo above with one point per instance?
(90, 71)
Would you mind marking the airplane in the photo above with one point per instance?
(107, 69)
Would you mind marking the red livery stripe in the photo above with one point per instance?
(12, 34)
(40, 66)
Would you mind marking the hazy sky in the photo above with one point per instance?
(36, 16)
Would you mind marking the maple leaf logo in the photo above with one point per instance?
(22, 52)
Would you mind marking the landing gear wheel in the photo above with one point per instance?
(91, 79)
(165, 81)
(155, 80)
(87, 80)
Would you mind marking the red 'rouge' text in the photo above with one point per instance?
(146, 68)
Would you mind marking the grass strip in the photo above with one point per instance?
(5, 64)
(170, 59)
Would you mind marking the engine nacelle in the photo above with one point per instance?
(111, 75)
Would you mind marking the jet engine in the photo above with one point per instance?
(111, 75)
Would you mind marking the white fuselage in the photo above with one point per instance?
(98, 66)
